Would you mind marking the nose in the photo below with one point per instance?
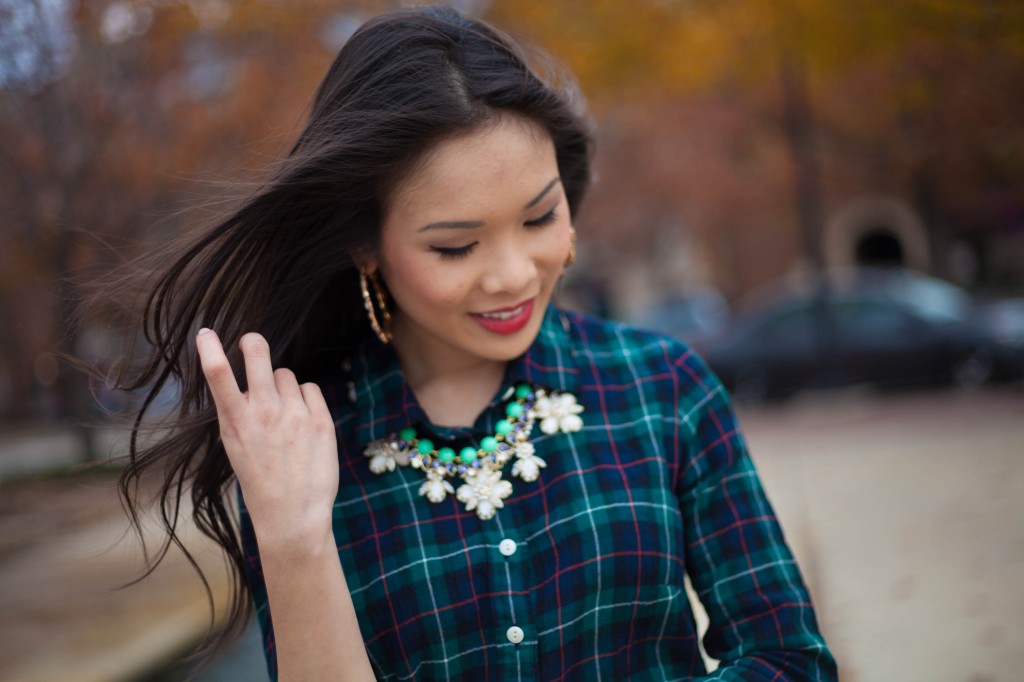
(511, 270)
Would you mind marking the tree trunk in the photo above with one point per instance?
(799, 124)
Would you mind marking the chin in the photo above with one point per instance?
(512, 346)
(509, 350)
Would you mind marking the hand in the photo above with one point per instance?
(280, 440)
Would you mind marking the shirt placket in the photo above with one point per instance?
(513, 627)
(510, 629)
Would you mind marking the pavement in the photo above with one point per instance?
(68, 610)
(906, 513)
(65, 614)
(907, 516)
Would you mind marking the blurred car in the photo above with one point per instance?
(883, 327)
(1006, 321)
(697, 317)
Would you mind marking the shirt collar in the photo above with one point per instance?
(550, 362)
(385, 403)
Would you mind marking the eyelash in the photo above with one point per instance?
(453, 254)
(545, 219)
(448, 253)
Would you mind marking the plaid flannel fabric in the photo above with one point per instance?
(580, 575)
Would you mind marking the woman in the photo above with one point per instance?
(443, 476)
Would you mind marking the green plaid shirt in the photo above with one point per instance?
(580, 575)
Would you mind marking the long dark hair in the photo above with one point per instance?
(282, 262)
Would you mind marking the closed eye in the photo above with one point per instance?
(452, 253)
(545, 219)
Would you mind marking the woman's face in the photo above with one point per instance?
(473, 244)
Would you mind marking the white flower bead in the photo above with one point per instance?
(381, 463)
(571, 423)
(436, 488)
(524, 449)
(558, 413)
(549, 425)
(528, 467)
(484, 491)
(485, 510)
(384, 455)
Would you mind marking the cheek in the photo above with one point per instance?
(555, 249)
(419, 280)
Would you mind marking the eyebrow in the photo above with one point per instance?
(536, 200)
(468, 224)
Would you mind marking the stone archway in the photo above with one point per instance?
(876, 230)
(879, 246)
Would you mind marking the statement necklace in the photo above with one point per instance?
(479, 467)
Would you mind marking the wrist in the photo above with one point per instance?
(295, 541)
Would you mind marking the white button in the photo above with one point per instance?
(515, 634)
(507, 547)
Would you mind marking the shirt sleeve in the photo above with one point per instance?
(762, 623)
(254, 576)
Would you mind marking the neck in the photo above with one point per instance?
(451, 387)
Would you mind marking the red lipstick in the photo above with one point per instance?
(505, 320)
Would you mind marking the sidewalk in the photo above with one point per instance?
(64, 551)
(906, 513)
(38, 449)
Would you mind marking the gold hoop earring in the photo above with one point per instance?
(572, 247)
(381, 327)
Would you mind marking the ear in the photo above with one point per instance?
(365, 260)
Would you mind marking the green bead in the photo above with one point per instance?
(514, 410)
(522, 390)
(489, 444)
(467, 455)
(425, 446)
(504, 427)
(446, 455)
(408, 433)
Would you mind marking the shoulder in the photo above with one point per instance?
(339, 390)
(599, 335)
(651, 386)
(615, 351)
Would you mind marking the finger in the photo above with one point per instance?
(217, 371)
(259, 373)
(314, 399)
(288, 386)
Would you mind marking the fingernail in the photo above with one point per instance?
(202, 331)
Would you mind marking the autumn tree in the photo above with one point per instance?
(114, 115)
(906, 98)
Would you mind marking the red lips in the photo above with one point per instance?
(506, 320)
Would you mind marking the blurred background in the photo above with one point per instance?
(826, 199)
